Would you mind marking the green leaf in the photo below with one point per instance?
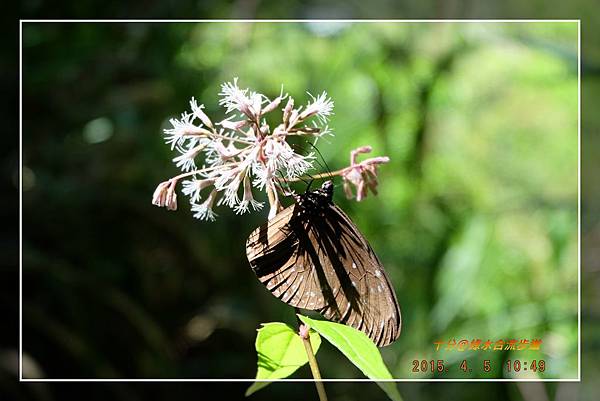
(280, 353)
(359, 349)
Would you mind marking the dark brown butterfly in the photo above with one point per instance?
(311, 256)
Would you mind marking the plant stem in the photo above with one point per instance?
(203, 170)
(312, 361)
(275, 206)
(317, 176)
(314, 367)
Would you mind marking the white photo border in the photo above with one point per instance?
(40, 380)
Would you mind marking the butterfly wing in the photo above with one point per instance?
(324, 263)
(362, 295)
(284, 266)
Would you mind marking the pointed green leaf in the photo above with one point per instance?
(359, 349)
(280, 353)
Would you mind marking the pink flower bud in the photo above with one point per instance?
(303, 331)
(362, 175)
(165, 195)
(233, 125)
(288, 110)
(273, 105)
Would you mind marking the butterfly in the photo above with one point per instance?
(312, 256)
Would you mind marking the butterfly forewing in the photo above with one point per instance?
(282, 264)
(318, 260)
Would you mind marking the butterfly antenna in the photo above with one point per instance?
(302, 149)
(324, 161)
(309, 183)
(283, 181)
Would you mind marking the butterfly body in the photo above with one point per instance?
(312, 256)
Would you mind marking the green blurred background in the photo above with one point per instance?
(476, 221)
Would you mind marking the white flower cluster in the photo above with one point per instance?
(240, 152)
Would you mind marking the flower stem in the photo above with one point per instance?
(314, 367)
(275, 206)
(216, 135)
(203, 170)
(317, 176)
(304, 333)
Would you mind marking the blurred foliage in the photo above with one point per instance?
(476, 220)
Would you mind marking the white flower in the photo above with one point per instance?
(184, 134)
(231, 198)
(256, 100)
(177, 135)
(228, 181)
(228, 177)
(234, 98)
(297, 165)
(260, 174)
(218, 154)
(204, 210)
(192, 188)
(243, 151)
(322, 106)
(197, 111)
(189, 151)
(185, 161)
(248, 199)
(280, 156)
